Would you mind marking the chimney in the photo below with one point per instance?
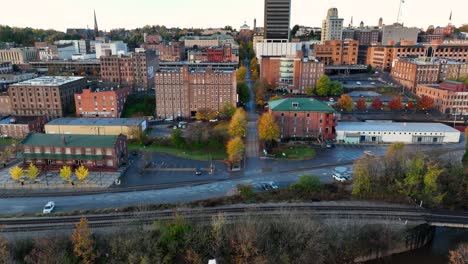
(64, 140)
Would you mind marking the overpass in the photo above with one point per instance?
(360, 211)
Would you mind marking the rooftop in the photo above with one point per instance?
(49, 81)
(17, 119)
(55, 140)
(300, 105)
(430, 61)
(394, 127)
(68, 121)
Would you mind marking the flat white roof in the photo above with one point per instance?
(70, 121)
(393, 126)
(49, 81)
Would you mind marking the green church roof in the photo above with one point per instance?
(300, 105)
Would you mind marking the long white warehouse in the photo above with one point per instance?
(388, 132)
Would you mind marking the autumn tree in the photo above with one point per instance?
(309, 90)
(465, 156)
(241, 73)
(238, 124)
(425, 103)
(459, 255)
(410, 106)
(65, 172)
(377, 104)
(323, 86)
(177, 138)
(260, 92)
(268, 129)
(275, 98)
(81, 173)
(345, 102)
(205, 114)
(235, 149)
(32, 171)
(83, 242)
(254, 64)
(361, 104)
(395, 104)
(227, 110)
(254, 75)
(16, 173)
(4, 251)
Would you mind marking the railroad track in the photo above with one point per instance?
(205, 215)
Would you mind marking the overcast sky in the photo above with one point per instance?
(62, 14)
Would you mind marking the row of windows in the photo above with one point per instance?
(61, 150)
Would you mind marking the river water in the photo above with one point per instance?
(436, 252)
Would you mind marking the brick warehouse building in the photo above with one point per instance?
(303, 118)
(382, 56)
(449, 97)
(21, 126)
(136, 70)
(98, 153)
(295, 74)
(102, 102)
(183, 91)
(337, 52)
(47, 95)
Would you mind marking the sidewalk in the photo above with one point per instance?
(52, 181)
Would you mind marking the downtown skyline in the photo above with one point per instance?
(212, 13)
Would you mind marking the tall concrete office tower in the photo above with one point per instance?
(332, 26)
(277, 19)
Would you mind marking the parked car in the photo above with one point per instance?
(48, 208)
(339, 177)
(213, 120)
(369, 153)
(198, 171)
(358, 83)
(273, 185)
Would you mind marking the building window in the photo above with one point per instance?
(37, 150)
(67, 150)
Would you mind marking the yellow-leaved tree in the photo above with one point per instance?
(268, 129)
(235, 149)
(16, 173)
(81, 173)
(65, 172)
(83, 242)
(32, 171)
(238, 124)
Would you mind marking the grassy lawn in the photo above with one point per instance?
(7, 141)
(193, 154)
(389, 91)
(294, 152)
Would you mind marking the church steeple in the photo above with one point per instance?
(96, 29)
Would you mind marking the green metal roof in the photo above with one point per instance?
(304, 104)
(56, 140)
(52, 156)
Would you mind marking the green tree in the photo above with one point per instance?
(294, 30)
(32, 171)
(323, 86)
(308, 183)
(365, 172)
(244, 93)
(309, 90)
(260, 92)
(238, 124)
(241, 73)
(235, 149)
(83, 242)
(205, 114)
(177, 139)
(253, 64)
(227, 110)
(336, 88)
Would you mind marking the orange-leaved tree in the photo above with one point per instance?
(83, 242)
(345, 102)
(235, 149)
(361, 104)
(238, 124)
(425, 103)
(395, 104)
(268, 129)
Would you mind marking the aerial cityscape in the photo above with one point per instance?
(278, 131)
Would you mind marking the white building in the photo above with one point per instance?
(332, 26)
(116, 48)
(398, 33)
(79, 45)
(281, 49)
(388, 132)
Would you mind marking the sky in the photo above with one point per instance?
(63, 14)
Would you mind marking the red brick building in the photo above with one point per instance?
(294, 74)
(97, 153)
(47, 95)
(135, 71)
(103, 102)
(5, 104)
(449, 97)
(181, 92)
(21, 126)
(300, 118)
(337, 52)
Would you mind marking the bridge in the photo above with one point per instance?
(397, 214)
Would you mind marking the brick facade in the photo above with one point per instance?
(448, 101)
(20, 126)
(101, 103)
(337, 52)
